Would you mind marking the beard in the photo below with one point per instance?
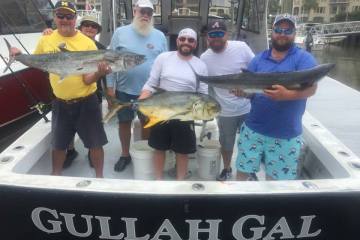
(281, 47)
(143, 28)
(185, 53)
(218, 47)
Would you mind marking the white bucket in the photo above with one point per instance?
(143, 160)
(208, 156)
(136, 130)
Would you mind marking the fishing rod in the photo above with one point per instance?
(37, 105)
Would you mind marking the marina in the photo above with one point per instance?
(129, 205)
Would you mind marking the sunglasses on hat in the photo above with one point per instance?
(216, 34)
(67, 16)
(183, 39)
(286, 31)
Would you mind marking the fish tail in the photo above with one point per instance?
(11, 58)
(115, 107)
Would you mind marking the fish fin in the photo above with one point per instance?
(152, 121)
(62, 47)
(11, 58)
(112, 113)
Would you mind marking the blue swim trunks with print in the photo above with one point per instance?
(281, 155)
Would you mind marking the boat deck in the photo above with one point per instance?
(81, 168)
(337, 107)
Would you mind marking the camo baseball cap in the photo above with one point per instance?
(285, 17)
(65, 5)
(92, 19)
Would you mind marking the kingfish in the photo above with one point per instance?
(66, 63)
(167, 105)
(252, 82)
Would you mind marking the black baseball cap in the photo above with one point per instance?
(65, 5)
(216, 25)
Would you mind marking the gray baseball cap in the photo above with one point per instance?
(285, 17)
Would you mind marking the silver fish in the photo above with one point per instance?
(167, 105)
(252, 82)
(66, 63)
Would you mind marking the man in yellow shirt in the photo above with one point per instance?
(75, 107)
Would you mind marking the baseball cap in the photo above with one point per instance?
(65, 5)
(216, 25)
(144, 4)
(285, 17)
(92, 19)
(188, 32)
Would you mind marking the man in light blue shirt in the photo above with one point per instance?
(273, 128)
(140, 37)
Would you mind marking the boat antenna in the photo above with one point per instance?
(37, 105)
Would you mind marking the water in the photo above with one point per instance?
(347, 61)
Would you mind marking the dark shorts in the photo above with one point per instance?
(125, 114)
(173, 135)
(83, 117)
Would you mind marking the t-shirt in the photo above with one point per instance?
(278, 119)
(236, 56)
(72, 86)
(172, 73)
(127, 38)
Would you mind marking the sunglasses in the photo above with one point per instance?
(67, 16)
(183, 39)
(145, 11)
(216, 34)
(286, 31)
(92, 25)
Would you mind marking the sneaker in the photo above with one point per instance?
(71, 154)
(122, 163)
(90, 162)
(225, 175)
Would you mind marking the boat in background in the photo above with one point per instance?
(23, 90)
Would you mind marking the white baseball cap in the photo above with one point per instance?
(188, 32)
(144, 4)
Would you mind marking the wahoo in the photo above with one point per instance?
(164, 106)
(252, 82)
(65, 62)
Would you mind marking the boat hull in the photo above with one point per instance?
(55, 214)
(21, 91)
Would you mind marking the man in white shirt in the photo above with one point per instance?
(227, 57)
(174, 71)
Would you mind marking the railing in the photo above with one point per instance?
(337, 29)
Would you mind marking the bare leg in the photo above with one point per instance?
(97, 159)
(226, 155)
(145, 132)
(181, 166)
(159, 160)
(125, 137)
(58, 159)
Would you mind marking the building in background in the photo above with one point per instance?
(322, 11)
